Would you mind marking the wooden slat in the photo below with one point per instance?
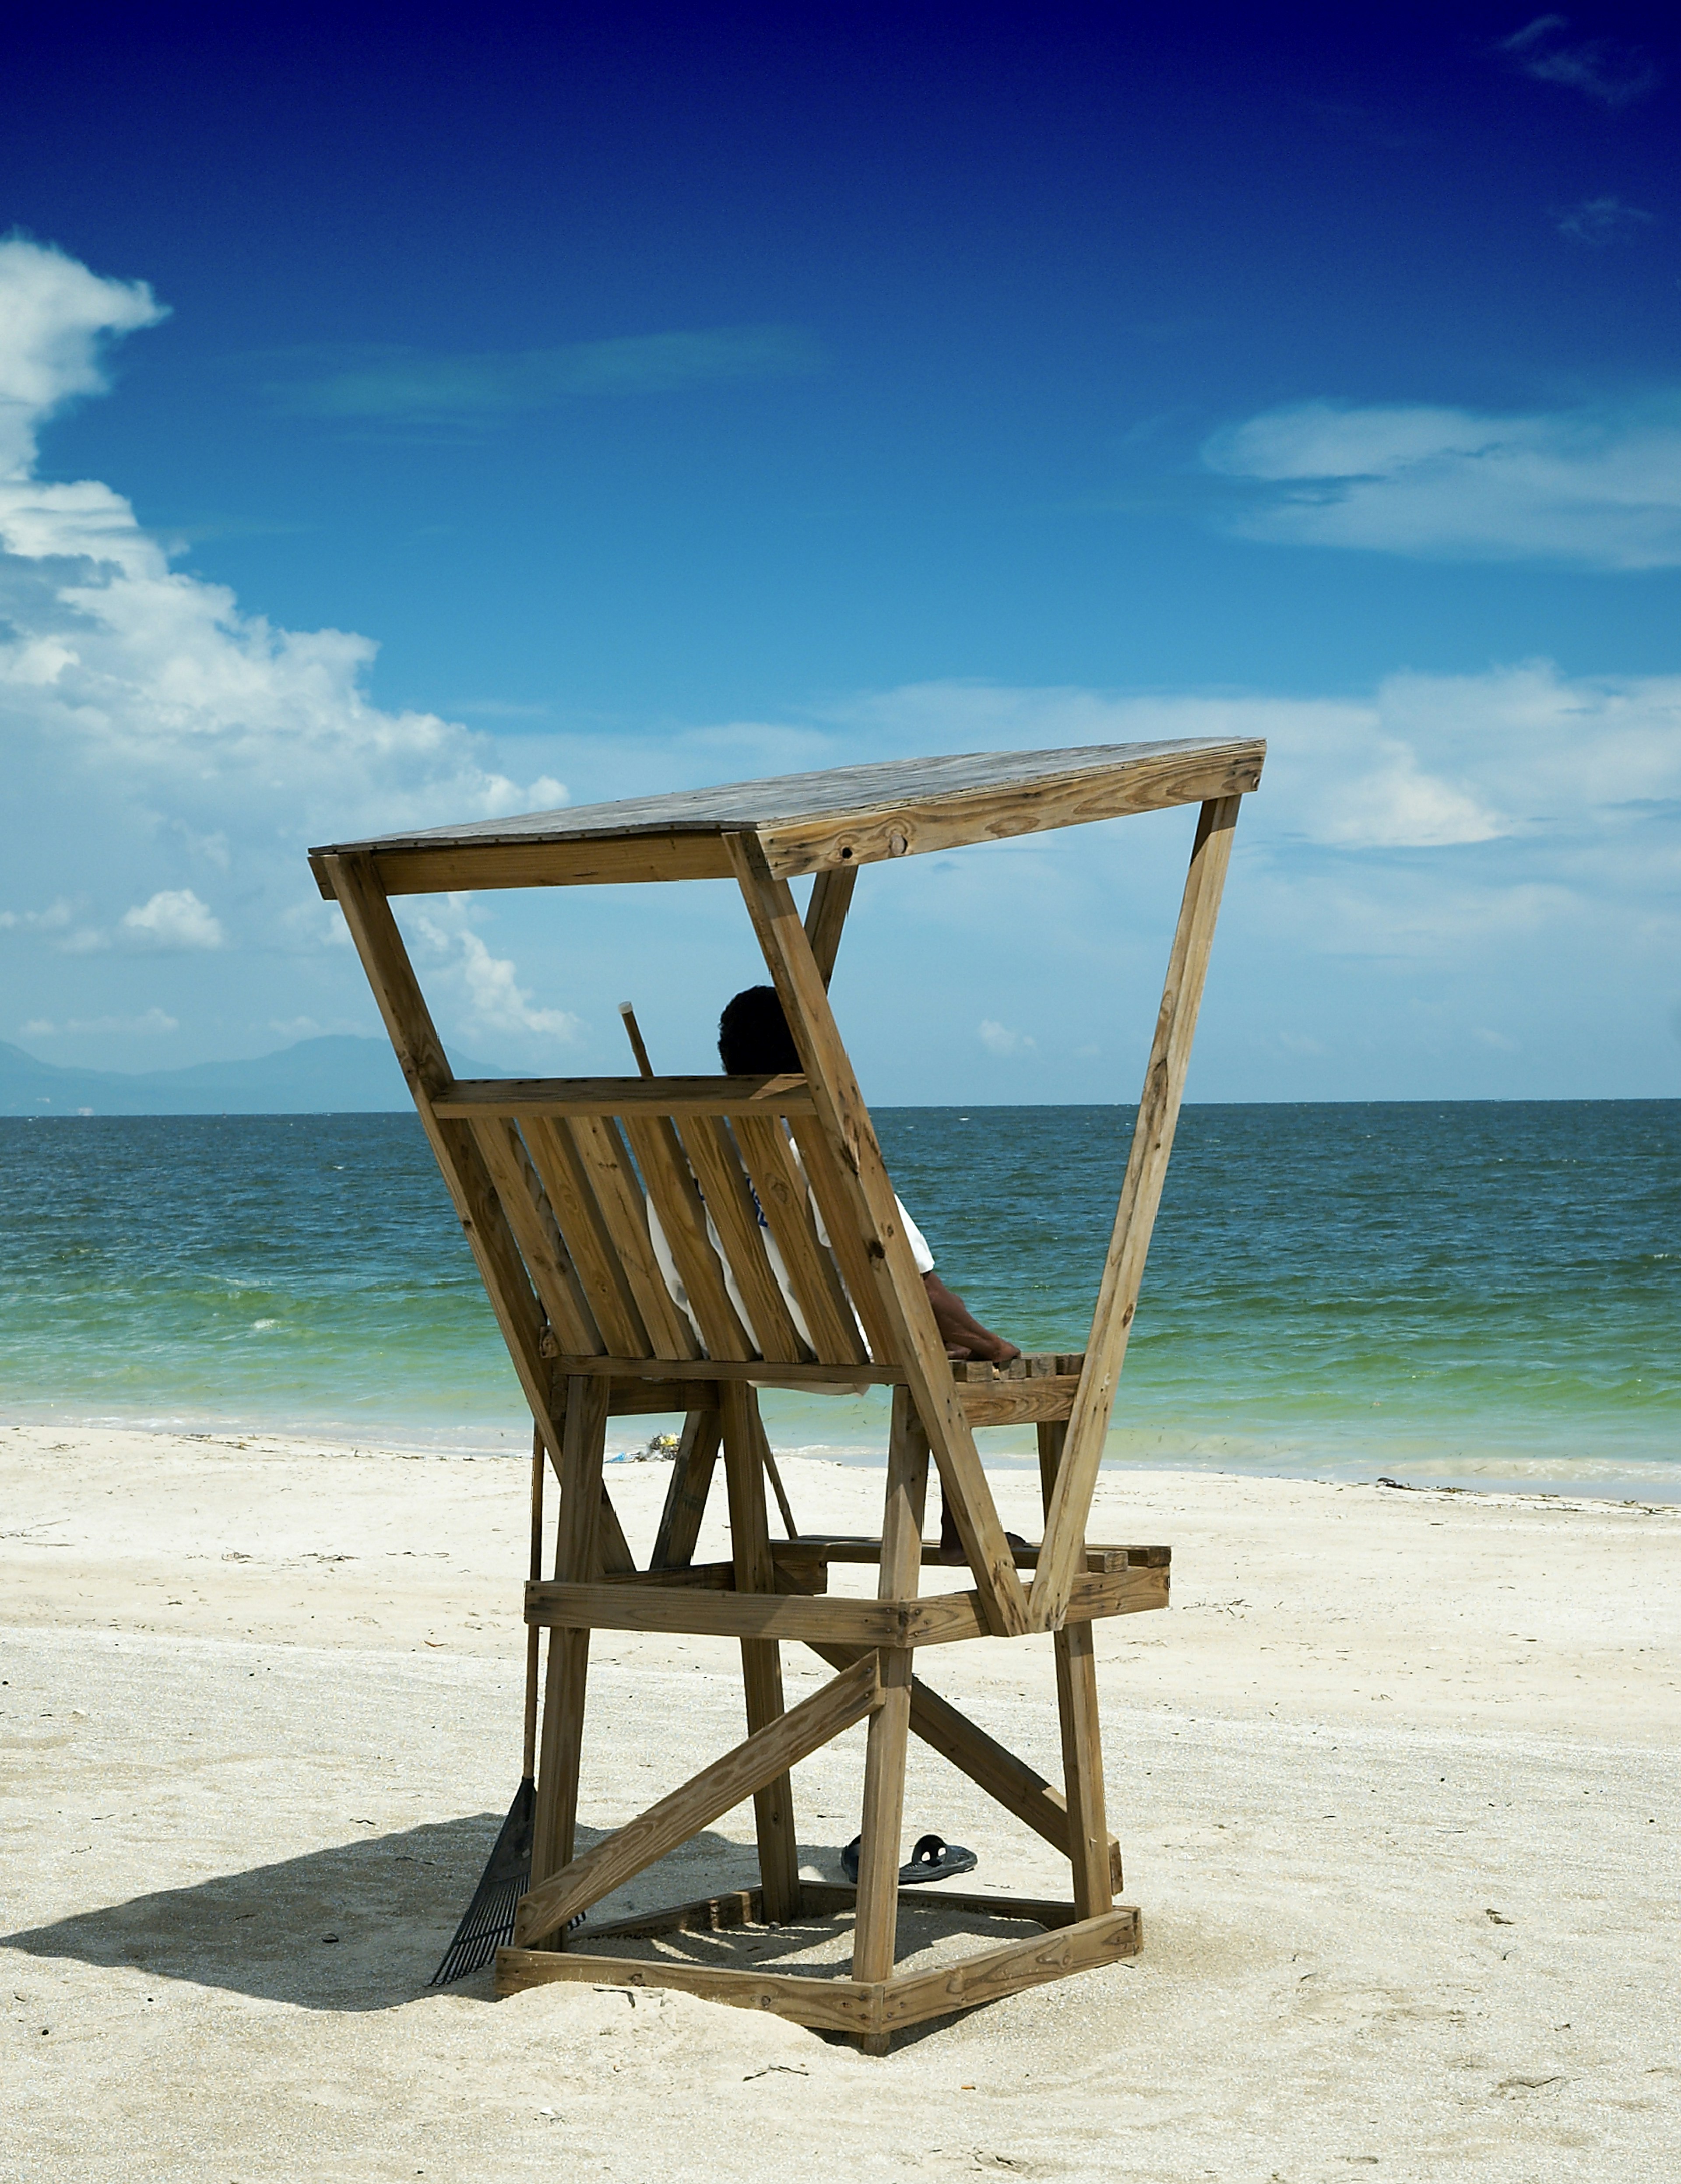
(691, 1371)
(671, 1191)
(882, 1820)
(1140, 1195)
(761, 1660)
(826, 914)
(623, 1217)
(518, 1096)
(713, 1791)
(836, 1201)
(686, 1496)
(916, 1997)
(530, 1215)
(844, 1130)
(914, 826)
(812, 1274)
(820, 1548)
(599, 1272)
(831, 2005)
(823, 1898)
(701, 1915)
(1018, 1402)
(729, 1201)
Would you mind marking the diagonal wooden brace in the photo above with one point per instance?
(742, 1772)
(862, 1173)
(1010, 1781)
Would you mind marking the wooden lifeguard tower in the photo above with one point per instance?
(553, 1180)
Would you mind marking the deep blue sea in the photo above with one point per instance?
(1472, 1293)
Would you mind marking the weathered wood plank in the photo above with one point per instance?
(943, 1618)
(691, 1370)
(818, 1547)
(825, 1898)
(913, 827)
(530, 1215)
(1077, 1707)
(671, 1191)
(576, 1557)
(843, 1132)
(761, 1659)
(518, 1096)
(917, 1996)
(831, 2005)
(898, 808)
(623, 1213)
(716, 1791)
(712, 1155)
(1140, 1195)
(691, 1469)
(782, 1194)
(825, 915)
(882, 1820)
(592, 1257)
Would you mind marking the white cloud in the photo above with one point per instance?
(154, 732)
(53, 919)
(153, 1023)
(1600, 220)
(54, 316)
(488, 985)
(1603, 68)
(1000, 1040)
(1600, 487)
(174, 919)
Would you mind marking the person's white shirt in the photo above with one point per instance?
(674, 1281)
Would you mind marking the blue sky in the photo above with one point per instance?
(560, 410)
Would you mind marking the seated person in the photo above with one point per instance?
(754, 1040)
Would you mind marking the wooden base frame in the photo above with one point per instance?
(871, 2011)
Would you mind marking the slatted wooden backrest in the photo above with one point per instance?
(577, 1164)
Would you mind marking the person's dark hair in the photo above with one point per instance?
(753, 1038)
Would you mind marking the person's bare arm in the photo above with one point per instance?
(962, 1334)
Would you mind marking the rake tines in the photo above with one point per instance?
(488, 1920)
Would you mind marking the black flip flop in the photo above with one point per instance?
(933, 1859)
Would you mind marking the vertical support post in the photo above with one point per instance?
(762, 1659)
(1123, 1267)
(875, 1934)
(576, 1560)
(1089, 1843)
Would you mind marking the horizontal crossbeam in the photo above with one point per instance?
(471, 1098)
(939, 1619)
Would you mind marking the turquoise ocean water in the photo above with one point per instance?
(1468, 1293)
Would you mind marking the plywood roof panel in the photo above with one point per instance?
(808, 822)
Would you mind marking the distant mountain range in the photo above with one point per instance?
(317, 1076)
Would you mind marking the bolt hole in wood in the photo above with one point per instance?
(555, 1181)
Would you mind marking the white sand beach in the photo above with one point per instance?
(1395, 1779)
